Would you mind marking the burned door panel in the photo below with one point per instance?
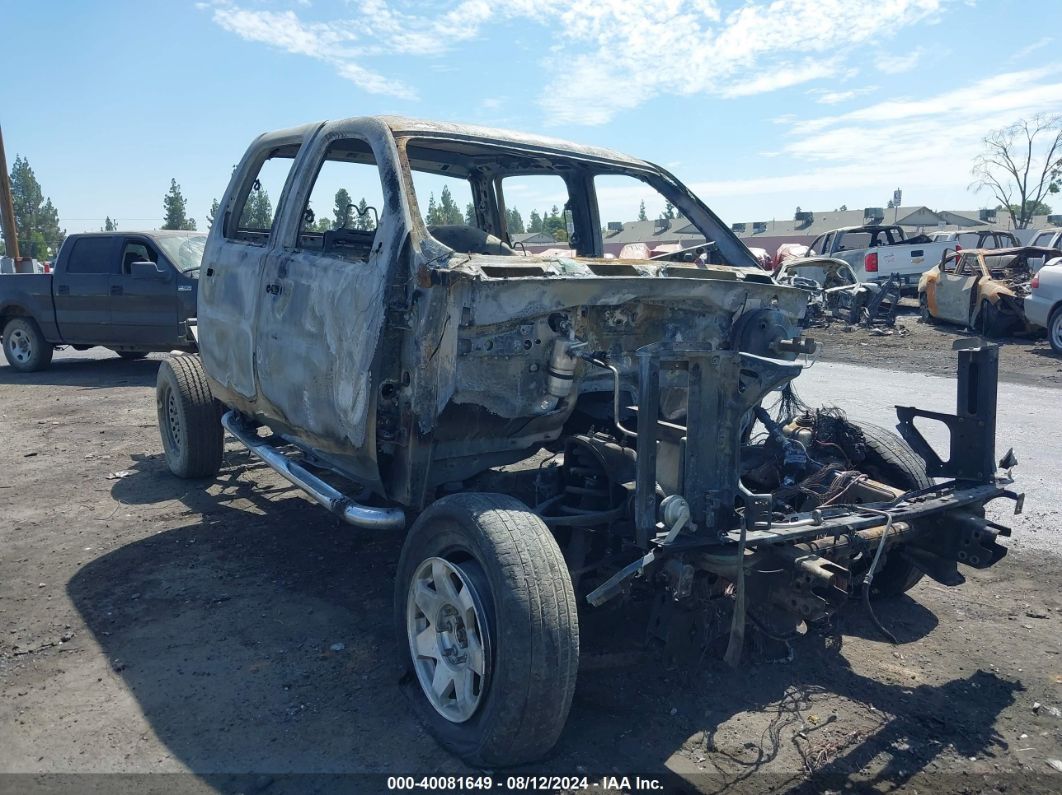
(953, 295)
(323, 299)
(231, 272)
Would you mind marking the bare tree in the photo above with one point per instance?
(1021, 164)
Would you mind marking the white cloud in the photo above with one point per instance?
(825, 97)
(1029, 49)
(688, 48)
(898, 64)
(927, 144)
(324, 41)
(615, 55)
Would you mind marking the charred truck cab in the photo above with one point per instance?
(409, 360)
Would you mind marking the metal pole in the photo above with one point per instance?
(7, 210)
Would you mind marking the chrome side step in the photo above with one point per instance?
(363, 516)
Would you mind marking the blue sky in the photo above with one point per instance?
(759, 106)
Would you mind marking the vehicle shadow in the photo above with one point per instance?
(1047, 353)
(256, 636)
(92, 373)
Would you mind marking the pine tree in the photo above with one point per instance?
(257, 212)
(341, 209)
(174, 209)
(534, 222)
(669, 211)
(212, 214)
(514, 222)
(431, 218)
(641, 212)
(363, 219)
(449, 212)
(36, 219)
(470, 215)
(109, 225)
(553, 224)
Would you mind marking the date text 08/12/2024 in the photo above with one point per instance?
(528, 783)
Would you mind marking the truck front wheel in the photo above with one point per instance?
(25, 346)
(891, 460)
(487, 629)
(189, 421)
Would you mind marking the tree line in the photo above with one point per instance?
(446, 212)
(36, 218)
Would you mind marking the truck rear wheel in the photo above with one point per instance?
(189, 422)
(891, 460)
(25, 346)
(487, 628)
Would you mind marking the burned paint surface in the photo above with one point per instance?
(409, 356)
(967, 283)
(354, 359)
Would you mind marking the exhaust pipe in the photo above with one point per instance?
(363, 516)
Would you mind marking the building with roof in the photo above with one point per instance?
(660, 236)
(809, 225)
(533, 242)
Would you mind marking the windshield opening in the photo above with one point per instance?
(497, 202)
(184, 251)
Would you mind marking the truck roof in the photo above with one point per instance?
(866, 228)
(404, 126)
(144, 232)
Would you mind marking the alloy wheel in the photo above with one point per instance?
(445, 625)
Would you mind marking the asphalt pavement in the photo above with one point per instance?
(1028, 418)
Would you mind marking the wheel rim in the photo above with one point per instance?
(447, 639)
(171, 420)
(18, 342)
(1056, 332)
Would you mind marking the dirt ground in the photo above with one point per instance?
(915, 346)
(234, 636)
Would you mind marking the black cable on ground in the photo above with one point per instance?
(869, 578)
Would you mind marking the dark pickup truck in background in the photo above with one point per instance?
(132, 292)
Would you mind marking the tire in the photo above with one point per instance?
(891, 460)
(509, 567)
(923, 309)
(189, 420)
(1054, 329)
(25, 347)
(990, 321)
(132, 356)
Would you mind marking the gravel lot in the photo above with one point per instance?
(233, 635)
(917, 347)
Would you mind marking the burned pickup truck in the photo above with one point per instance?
(424, 365)
(836, 293)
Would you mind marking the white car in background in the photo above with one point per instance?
(1046, 238)
(1043, 305)
(982, 238)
